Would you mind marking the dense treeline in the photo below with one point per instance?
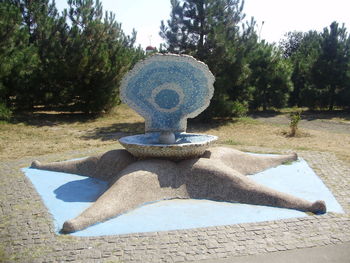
(321, 67)
(73, 60)
(306, 69)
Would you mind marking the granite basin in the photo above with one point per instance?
(186, 146)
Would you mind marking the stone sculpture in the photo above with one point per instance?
(159, 88)
(167, 90)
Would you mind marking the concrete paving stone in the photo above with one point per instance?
(271, 249)
(222, 240)
(173, 249)
(178, 259)
(220, 250)
(281, 248)
(190, 258)
(118, 253)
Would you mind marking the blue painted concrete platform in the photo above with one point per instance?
(67, 195)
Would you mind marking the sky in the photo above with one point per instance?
(274, 17)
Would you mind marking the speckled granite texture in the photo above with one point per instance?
(187, 145)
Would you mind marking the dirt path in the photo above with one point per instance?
(320, 122)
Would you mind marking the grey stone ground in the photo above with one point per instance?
(27, 233)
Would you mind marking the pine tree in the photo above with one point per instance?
(51, 62)
(331, 70)
(270, 77)
(18, 58)
(194, 25)
(302, 50)
(213, 32)
(98, 55)
(44, 26)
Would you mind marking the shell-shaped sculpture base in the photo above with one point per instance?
(187, 145)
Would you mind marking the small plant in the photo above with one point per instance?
(295, 117)
(5, 113)
(232, 142)
(239, 109)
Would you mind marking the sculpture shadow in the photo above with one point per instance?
(311, 115)
(42, 119)
(115, 131)
(86, 190)
(119, 130)
(264, 114)
(308, 115)
(202, 126)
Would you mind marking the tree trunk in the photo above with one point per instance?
(201, 15)
(331, 97)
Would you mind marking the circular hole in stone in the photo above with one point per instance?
(167, 99)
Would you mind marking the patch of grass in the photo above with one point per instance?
(3, 257)
(248, 120)
(288, 162)
(231, 142)
(303, 148)
(292, 109)
(30, 254)
(42, 133)
(67, 238)
(287, 133)
(49, 132)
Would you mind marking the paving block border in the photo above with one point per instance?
(27, 232)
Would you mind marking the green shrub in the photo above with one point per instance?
(222, 106)
(239, 109)
(295, 117)
(5, 113)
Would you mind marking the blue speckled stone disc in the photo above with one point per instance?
(167, 90)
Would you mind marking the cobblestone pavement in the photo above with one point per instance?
(27, 232)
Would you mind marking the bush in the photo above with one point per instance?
(5, 113)
(295, 117)
(222, 106)
(239, 109)
(72, 60)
